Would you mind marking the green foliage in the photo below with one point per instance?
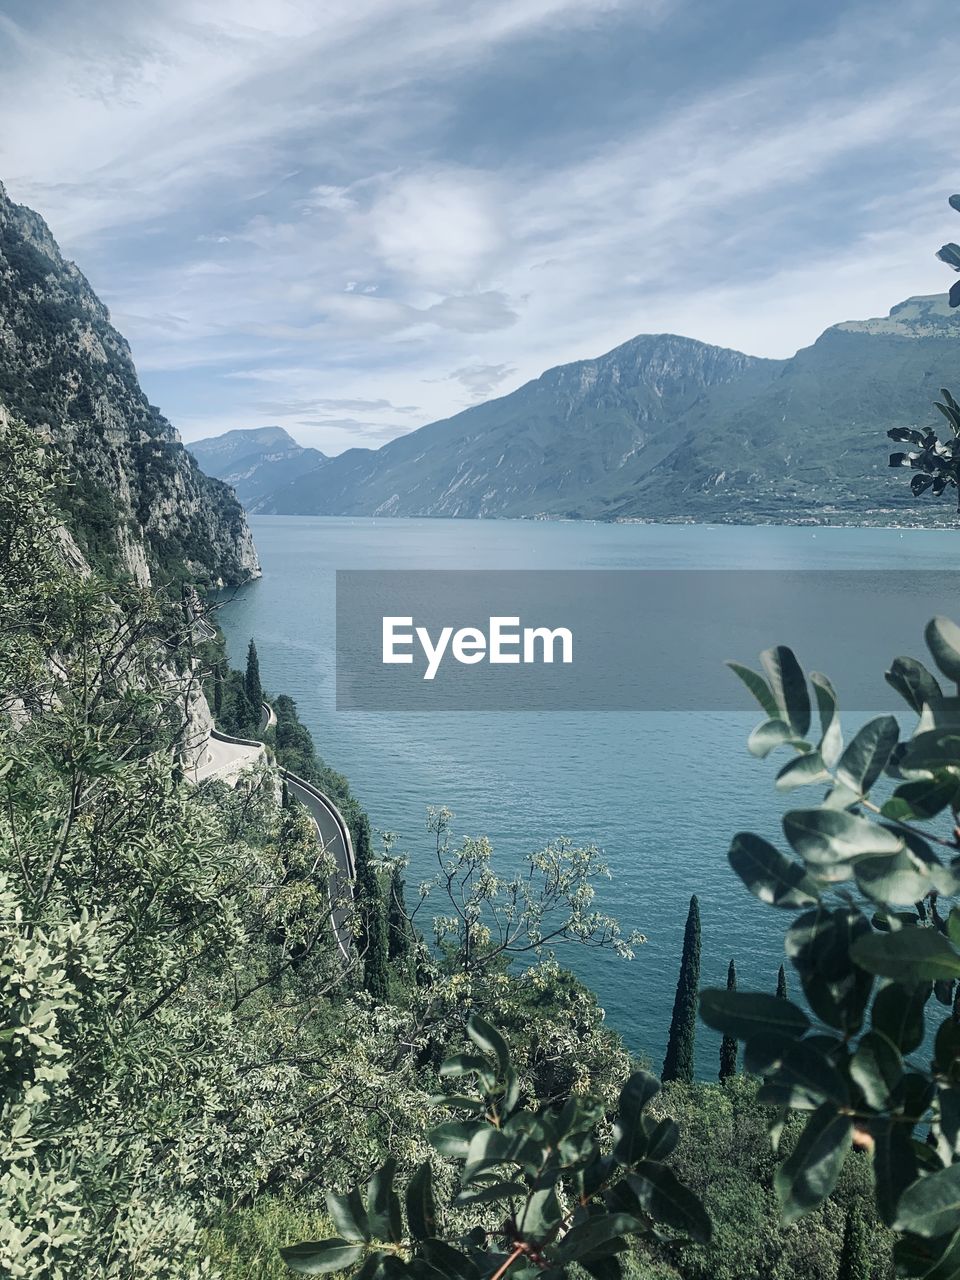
(538, 1193)
(855, 1256)
(678, 1063)
(728, 1046)
(871, 946)
(251, 680)
(726, 1158)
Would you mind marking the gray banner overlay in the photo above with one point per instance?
(621, 640)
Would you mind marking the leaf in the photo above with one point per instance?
(771, 734)
(789, 687)
(922, 799)
(909, 955)
(950, 254)
(802, 772)
(819, 944)
(898, 1014)
(662, 1139)
(943, 640)
(930, 1207)
(913, 682)
(421, 1207)
(463, 1064)
(541, 1214)
(770, 875)
(383, 1206)
(897, 881)
(894, 1165)
(594, 1233)
(758, 687)
(319, 1257)
(877, 1069)
(831, 737)
(348, 1215)
(866, 756)
(452, 1138)
(665, 1199)
(805, 1068)
(742, 1014)
(632, 1140)
(810, 1172)
(489, 1040)
(449, 1262)
(491, 1192)
(825, 836)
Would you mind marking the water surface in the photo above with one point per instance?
(660, 792)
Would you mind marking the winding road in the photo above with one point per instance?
(226, 755)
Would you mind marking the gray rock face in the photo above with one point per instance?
(255, 461)
(133, 499)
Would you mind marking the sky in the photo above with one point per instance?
(353, 217)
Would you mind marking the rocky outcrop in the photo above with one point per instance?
(132, 497)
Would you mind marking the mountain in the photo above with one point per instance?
(547, 447)
(669, 428)
(133, 498)
(255, 461)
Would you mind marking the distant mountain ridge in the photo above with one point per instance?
(669, 428)
(255, 461)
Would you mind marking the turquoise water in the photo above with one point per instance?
(660, 792)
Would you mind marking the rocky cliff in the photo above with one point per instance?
(132, 497)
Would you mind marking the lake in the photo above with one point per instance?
(661, 792)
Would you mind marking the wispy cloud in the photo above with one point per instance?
(311, 215)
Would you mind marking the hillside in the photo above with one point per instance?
(256, 461)
(667, 428)
(135, 500)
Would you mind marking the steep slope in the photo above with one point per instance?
(135, 499)
(548, 447)
(668, 428)
(811, 445)
(255, 461)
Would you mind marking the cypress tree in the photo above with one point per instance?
(728, 1047)
(374, 941)
(251, 680)
(217, 690)
(854, 1256)
(678, 1063)
(398, 921)
(238, 712)
(782, 983)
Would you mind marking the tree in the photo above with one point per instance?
(373, 940)
(873, 969)
(782, 983)
(854, 1257)
(728, 1046)
(251, 680)
(678, 1063)
(217, 690)
(399, 930)
(496, 919)
(936, 462)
